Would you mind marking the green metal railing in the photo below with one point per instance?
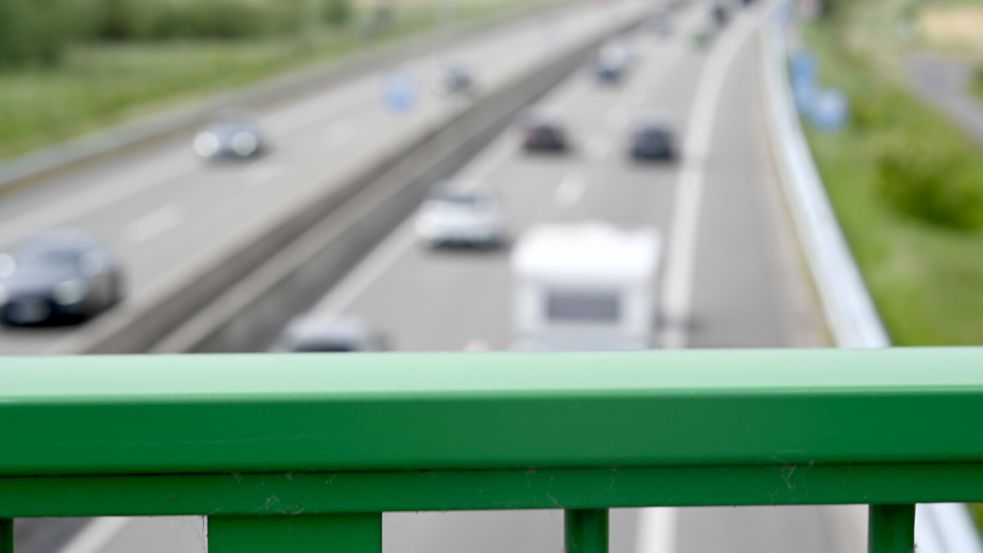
(287, 453)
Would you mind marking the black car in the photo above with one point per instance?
(652, 140)
(235, 136)
(720, 14)
(543, 133)
(58, 278)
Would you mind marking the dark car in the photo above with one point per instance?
(234, 136)
(652, 140)
(458, 80)
(317, 333)
(58, 278)
(544, 133)
(720, 14)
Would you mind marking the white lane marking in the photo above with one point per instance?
(91, 198)
(482, 169)
(96, 534)
(599, 147)
(476, 344)
(154, 224)
(368, 271)
(678, 283)
(569, 191)
(263, 174)
(339, 134)
(657, 530)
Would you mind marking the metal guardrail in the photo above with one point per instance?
(846, 302)
(287, 452)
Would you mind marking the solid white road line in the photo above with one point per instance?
(92, 198)
(96, 534)
(366, 273)
(154, 224)
(678, 283)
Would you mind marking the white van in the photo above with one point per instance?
(585, 287)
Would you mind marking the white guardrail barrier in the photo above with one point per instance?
(845, 300)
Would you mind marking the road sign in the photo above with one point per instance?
(830, 110)
(400, 92)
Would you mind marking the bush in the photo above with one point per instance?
(927, 181)
(337, 12)
(33, 31)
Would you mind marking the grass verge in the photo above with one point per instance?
(102, 84)
(926, 279)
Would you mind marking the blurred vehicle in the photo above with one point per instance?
(584, 287)
(652, 139)
(56, 278)
(544, 132)
(317, 333)
(613, 62)
(720, 14)
(234, 136)
(450, 218)
(458, 80)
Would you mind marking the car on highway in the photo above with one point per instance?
(720, 14)
(452, 218)
(58, 277)
(612, 63)
(652, 139)
(457, 79)
(543, 132)
(661, 23)
(233, 136)
(318, 333)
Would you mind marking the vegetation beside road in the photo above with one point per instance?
(908, 189)
(99, 73)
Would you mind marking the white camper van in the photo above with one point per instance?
(585, 287)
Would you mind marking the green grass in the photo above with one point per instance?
(978, 82)
(927, 280)
(101, 84)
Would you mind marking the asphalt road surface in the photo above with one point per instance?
(945, 81)
(733, 278)
(162, 208)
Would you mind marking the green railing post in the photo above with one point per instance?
(337, 533)
(6, 535)
(586, 530)
(891, 529)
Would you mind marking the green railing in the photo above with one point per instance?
(286, 453)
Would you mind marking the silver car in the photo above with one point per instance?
(234, 136)
(318, 333)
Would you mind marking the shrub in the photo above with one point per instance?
(33, 31)
(923, 179)
(337, 12)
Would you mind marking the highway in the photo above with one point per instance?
(733, 275)
(163, 210)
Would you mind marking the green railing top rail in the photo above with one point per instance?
(262, 413)
(290, 452)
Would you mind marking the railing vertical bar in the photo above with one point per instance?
(891, 529)
(6, 535)
(586, 530)
(340, 533)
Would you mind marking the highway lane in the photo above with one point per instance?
(748, 285)
(162, 209)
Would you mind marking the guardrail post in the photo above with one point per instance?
(586, 530)
(6, 535)
(891, 529)
(340, 533)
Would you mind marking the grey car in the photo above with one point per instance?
(61, 277)
(317, 333)
(234, 136)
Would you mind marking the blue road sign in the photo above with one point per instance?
(830, 110)
(400, 92)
